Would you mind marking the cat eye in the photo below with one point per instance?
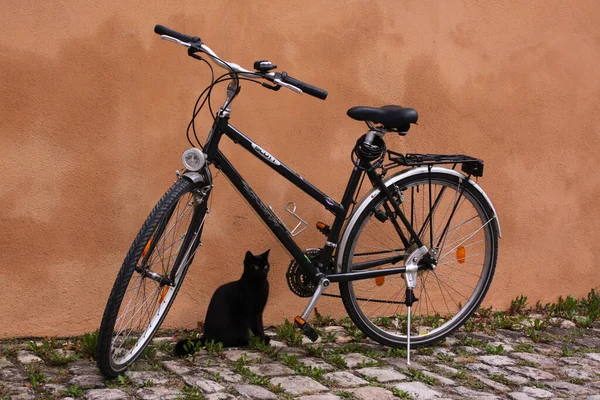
(256, 267)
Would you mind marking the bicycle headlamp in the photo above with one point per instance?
(193, 159)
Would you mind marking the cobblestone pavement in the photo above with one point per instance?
(562, 362)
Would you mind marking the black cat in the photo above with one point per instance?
(237, 307)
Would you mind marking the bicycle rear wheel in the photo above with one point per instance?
(457, 223)
(151, 276)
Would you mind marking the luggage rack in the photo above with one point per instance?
(469, 165)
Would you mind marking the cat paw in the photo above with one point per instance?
(266, 340)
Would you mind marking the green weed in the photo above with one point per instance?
(256, 344)
(321, 320)
(501, 379)
(191, 393)
(289, 334)
(395, 352)
(85, 345)
(292, 362)
(74, 391)
(35, 376)
(417, 375)
(216, 349)
(517, 306)
(336, 360)
(401, 393)
(48, 352)
(494, 349)
(523, 348)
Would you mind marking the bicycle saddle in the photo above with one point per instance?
(391, 117)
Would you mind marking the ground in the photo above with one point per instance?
(551, 358)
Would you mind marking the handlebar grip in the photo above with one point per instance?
(163, 30)
(305, 87)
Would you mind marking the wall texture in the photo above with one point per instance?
(93, 110)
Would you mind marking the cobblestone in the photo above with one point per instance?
(296, 385)
(157, 393)
(357, 360)
(345, 379)
(382, 375)
(206, 385)
(533, 373)
(537, 392)
(369, 372)
(316, 363)
(255, 392)
(106, 394)
(270, 370)
(538, 359)
(371, 393)
(419, 390)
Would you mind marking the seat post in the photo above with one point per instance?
(374, 131)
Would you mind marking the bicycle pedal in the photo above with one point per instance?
(306, 329)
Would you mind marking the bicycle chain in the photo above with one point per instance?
(363, 299)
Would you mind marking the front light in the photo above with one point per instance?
(193, 159)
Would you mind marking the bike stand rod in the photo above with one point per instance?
(323, 284)
(408, 338)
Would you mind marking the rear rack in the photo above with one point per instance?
(469, 165)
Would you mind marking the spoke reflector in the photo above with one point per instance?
(461, 254)
(147, 248)
(380, 280)
(164, 293)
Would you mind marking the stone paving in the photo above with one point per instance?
(506, 364)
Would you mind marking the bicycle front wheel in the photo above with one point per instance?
(457, 224)
(151, 276)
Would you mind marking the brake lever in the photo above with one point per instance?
(172, 39)
(287, 85)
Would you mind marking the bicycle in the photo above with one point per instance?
(434, 220)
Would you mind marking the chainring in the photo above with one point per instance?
(297, 281)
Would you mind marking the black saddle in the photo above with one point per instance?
(391, 117)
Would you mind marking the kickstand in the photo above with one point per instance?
(410, 299)
(410, 277)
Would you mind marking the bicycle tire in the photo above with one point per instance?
(429, 325)
(145, 250)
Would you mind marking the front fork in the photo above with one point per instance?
(191, 241)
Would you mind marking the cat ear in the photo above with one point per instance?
(249, 256)
(266, 253)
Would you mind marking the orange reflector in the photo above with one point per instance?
(380, 280)
(147, 248)
(461, 254)
(321, 225)
(164, 294)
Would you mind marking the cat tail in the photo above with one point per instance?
(187, 346)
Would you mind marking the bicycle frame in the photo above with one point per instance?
(222, 127)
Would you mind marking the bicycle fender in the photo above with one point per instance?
(202, 176)
(194, 177)
(392, 180)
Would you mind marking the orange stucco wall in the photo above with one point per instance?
(93, 110)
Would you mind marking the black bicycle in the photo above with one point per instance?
(424, 238)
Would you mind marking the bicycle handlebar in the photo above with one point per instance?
(283, 78)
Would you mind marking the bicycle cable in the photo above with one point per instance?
(208, 91)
